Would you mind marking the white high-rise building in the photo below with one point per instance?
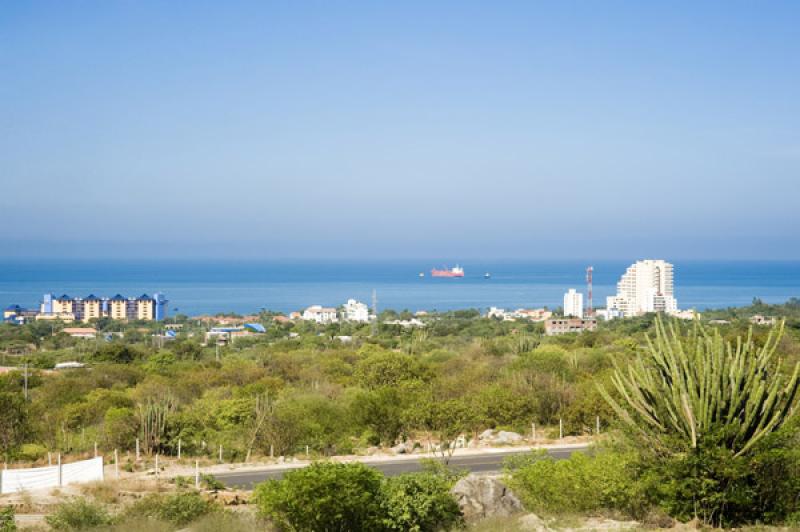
(644, 287)
(573, 303)
(356, 311)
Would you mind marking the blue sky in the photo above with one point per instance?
(418, 129)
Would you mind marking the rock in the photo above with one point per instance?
(507, 437)
(694, 524)
(486, 434)
(481, 496)
(400, 448)
(228, 498)
(532, 523)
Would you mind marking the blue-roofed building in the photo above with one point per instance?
(255, 327)
(17, 315)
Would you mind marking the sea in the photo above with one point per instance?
(196, 287)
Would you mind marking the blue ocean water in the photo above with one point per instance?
(207, 286)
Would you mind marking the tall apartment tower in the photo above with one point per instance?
(646, 286)
(573, 303)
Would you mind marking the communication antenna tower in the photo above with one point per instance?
(589, 271)
(375, 312)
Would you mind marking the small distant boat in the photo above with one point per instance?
(487, 275)
(456, 271)
(422, 274)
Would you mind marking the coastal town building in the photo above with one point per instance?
(18, 315)
(606, 314)
(406, 324)
(759, 319)
(355, 311)
(573, 304)
(536, 314)
(646, 286)
(69, 309)
(557, 326)
(80, 332)
(685, 314)
(320, 314)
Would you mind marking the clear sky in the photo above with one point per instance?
(389, 129)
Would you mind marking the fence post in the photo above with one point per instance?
(60, 478)
(116, 463)
(179, 448)
(307, 452)
(271, 451)
(156, 467)
(597, 426)
(197, 474)
(95, 449)
(138, 456)
(220, 454)
(560, 429)
(533, 431)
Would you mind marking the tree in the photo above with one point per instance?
(120, 425)
(388, 369)
(13, 422)
(381, 410)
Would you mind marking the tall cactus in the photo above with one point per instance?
(687, 385)
(153, 415)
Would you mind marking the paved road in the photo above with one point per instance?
(476, 463)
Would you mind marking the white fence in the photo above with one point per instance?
(13, 480)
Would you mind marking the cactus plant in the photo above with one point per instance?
(688, 385)
(153, 414)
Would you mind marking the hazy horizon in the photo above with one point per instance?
(250, 130)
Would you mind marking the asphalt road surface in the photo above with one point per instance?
(476, 463)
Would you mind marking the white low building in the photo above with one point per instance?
(531, 314)
(685, 314)
(607, 314)
(356, 311)
(413, 322)
(320, 314)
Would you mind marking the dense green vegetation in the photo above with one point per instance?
(709, 433)
(301, 387)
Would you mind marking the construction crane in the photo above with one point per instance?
(589, 271)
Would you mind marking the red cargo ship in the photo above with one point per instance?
(452, 272)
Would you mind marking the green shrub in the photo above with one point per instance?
(605, 480)
(7, 523)
(78, 514)
(210, 482)
(182, 482)
(178, 508)
(714, 485)
(419, 502)
(32, 452)
(323, 496)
